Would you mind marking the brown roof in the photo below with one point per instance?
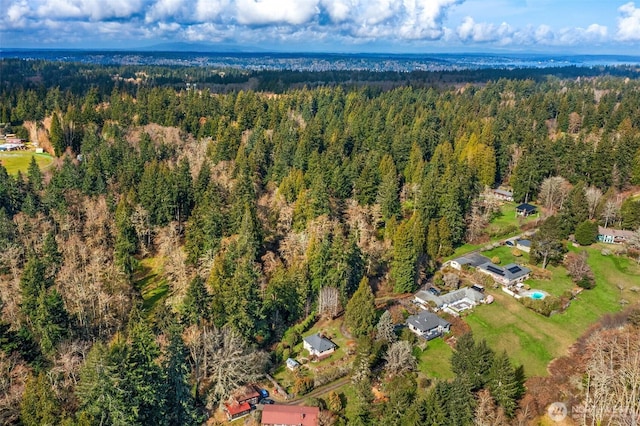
(246, 393)
(614, 232)
(297, 415)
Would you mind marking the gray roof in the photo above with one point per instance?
(524, 243)
(319, 343)
(426, 321)
(512, 271)
(503, 192)
(472, 259)
(454, 296)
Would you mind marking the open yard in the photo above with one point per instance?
(534, 340)
(18, 161)
(342, 355)
(149, 281)
(434, 361)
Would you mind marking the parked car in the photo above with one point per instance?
(263, 393)
(434, 291)
(268, 401)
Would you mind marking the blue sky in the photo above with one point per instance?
(394, 26)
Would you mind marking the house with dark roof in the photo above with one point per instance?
(508, 275)
(613, 236)
(525, 209)
(428, 325)
(318, 345)
(249, 394)
(470, 296)
(289, 415)
(471, 259)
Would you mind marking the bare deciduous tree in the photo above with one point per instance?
(329, 302)
(553, 193)
(451, 280)
(487, 413)
(610, 212)
(593, 196)
(221, 360)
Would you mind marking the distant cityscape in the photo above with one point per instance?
(323, 62)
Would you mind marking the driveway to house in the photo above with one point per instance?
(322, 390)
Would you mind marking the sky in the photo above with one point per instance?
(386, 26)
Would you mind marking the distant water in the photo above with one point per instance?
(324, 62)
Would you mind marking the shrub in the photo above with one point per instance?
(495, 260)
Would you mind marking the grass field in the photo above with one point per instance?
(150, 283)
(434, 361)
(16, 161)
(534, 340)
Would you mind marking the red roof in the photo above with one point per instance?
(290, 415)
(235, 409)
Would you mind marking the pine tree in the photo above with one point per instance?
(34, 174)
(471, 362)
(197, 301)
(403, 265)
(39, 405)
(180, 403)
(56, 136)
(126, 238)
(144, 382)
(360, 313)
(503, 384)
(388, 197)
(50, 320)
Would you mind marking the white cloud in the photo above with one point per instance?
(209, 10)
(482, 32)
(17, 14)
(338, 10)
(262, 12)
(629, 23)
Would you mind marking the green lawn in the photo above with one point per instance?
(434, 360)
(534, 340)
(330, 329)
(505, 225)
(149, 281)
(16, 161)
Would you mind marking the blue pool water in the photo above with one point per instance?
(536, 295)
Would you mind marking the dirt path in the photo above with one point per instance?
(320, 391)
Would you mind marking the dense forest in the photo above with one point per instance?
(257, 202)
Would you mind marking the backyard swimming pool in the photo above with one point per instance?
(537, 295)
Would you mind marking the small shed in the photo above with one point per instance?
(292, 364)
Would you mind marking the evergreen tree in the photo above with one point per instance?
(388, 197)
(126, 238)
(503, 384)
(144, 383)
(180, 403)
(50, 320)
(197, 301)
(586, 233)
(360, 313)
(405, 257)
(471, 362)
(39, 405)
(56, 135)
(34, 174)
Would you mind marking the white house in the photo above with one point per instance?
(318, 345)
